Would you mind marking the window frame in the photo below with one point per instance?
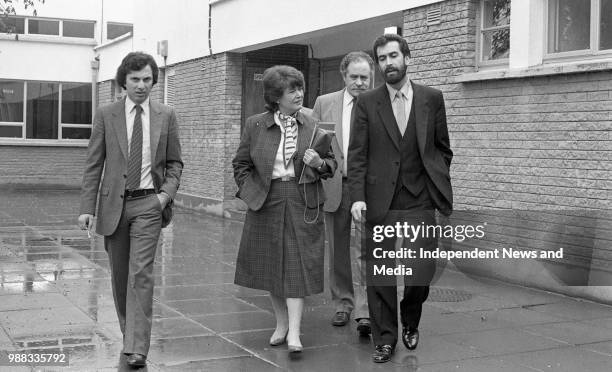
(93, 32)
(11, 16)
(59, 123)
(481, 29)
(60, 34)
(118, 24)
(593, 52)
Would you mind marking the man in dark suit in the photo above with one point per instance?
(357, 69)
(398, 168)
(135, 142)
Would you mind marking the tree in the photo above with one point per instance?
(7, 8)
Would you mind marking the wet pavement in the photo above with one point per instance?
(55, 297)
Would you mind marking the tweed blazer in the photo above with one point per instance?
(374, 149)
(108, 152)
(254, 160)
(328, 108)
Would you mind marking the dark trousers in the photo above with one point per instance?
(131, 252)
(382, 299)
(346, 268)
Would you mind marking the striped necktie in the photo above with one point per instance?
(289, 146)
(135, 156)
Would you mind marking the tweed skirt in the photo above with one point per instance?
(279, 252)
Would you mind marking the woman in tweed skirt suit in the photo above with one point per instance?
(282, 244)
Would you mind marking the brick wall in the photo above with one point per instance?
(232, 117)
(540, 142)
(105, 93)
(527, 144)
(42, 165)
(157, 93)
(206, 94)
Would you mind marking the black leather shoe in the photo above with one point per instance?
(136, 360)
(410, 338)
(340, 318)
(382, 354)
(363, 327)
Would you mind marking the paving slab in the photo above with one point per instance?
(55, 295)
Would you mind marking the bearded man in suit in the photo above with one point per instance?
(135, 143)
(357, 69)
(398, 168)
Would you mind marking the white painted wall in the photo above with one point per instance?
(184, 23)
(238, 24)
(53, 58)
(45, 61)
(110, 57)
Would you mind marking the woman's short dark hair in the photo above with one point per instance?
(387, 38)
(135, 61)
(278, 78)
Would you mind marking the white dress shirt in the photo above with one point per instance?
(279, 169)
(347, 108)
(146, 181)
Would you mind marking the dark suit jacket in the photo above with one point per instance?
(255, 156)
(374, 155)
(108, 151)
(328, 108)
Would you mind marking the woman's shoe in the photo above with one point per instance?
(278, 341)
(295, 348)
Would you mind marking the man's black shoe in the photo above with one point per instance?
(340, 318)
(363, 327)
(410, 338)
(382, 354)
(136, 360)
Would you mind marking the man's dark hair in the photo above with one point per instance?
(278, 78)
(355, 57)
(386, 38)
(135, 61)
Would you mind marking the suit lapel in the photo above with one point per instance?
(386, 114)
(421, 108)
(120, 126)
(155, 125)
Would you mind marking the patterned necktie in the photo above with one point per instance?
(289, 124)
(135, 157)
(399, 110)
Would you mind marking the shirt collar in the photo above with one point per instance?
(406, 89)
(278, 122)
(347, 98)
(129, 105)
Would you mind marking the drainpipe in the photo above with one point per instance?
(95, 68)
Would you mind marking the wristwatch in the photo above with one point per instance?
(320, 168)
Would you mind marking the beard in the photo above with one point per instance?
(401, 72)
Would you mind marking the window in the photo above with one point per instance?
(495, 30)
(11, 108)
(82, 29)
(43, 27)
(579, 26)
(41, 109)
(12, 25)
(605, 25)
(36, 26)
(45, 110)
(114, 30)
(76, 111)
